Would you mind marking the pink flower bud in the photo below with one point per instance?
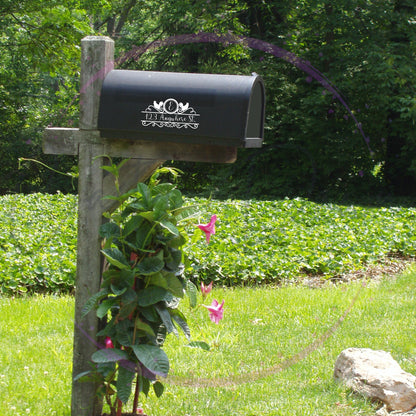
(108, 343)
(205, 289)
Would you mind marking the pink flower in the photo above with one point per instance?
(208, 229)
(216, 311)
(205, 289)
(108, 343)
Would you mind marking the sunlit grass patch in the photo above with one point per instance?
(272, 354)
(35, 355)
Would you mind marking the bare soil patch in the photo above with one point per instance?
(389, 267)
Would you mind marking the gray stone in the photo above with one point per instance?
(376, 375)
(384, 412)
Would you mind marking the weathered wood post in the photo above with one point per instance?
(97, 59)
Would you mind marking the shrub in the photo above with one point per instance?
(38, 236)
(256, 241)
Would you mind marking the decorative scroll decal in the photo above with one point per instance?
(170, 113)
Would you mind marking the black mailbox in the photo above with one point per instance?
(223, 110)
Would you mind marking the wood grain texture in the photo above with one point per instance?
(96, 59)
(58, 140)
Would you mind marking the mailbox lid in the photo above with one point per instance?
(191, 108)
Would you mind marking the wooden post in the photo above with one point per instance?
(96, 60)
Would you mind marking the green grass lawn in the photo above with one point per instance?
(255, 365)
(35, 355)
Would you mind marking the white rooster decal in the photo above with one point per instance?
(182, 107)
(158, 106)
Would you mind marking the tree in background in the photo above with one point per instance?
(39, 55)
(313, 146)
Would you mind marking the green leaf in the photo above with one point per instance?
(179, 318)
(109, 355)
(170, 227)
(107, 369)
(148, 215)
(160, 207)
(143, 326)
(185, 213)
(121, 164)
(84, 376)
(108, 330)
(158, 388)
(145, 385)
(166, 319)
(122, 279)
(173, 259)
(112, 197)
(152, 295)
(127, 309)
(156, 279)
(116, 258)
(175, 199)
(150, 314)
(124, 332)
(126, 277)
(177, 241)
(136, 207)
(144, 190)
(124, 380)
(175, 286)
(153, 358)
(143, 235)
(192, 293)
(110, 276)
(133, 224)
(118, 290)
(109, 230)
(151, 265)
(163, 188)
(124, 338)
(199, 344)
(104, 306)
(93, 300)
(112, 169)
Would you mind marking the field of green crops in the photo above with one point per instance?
(255, 241)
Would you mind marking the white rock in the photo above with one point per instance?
(376, 375)
(382, 411)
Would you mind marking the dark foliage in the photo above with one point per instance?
(355, 137)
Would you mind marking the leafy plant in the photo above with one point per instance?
(38, 239)
(257, 242)
(142, 285)
(285, 240)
